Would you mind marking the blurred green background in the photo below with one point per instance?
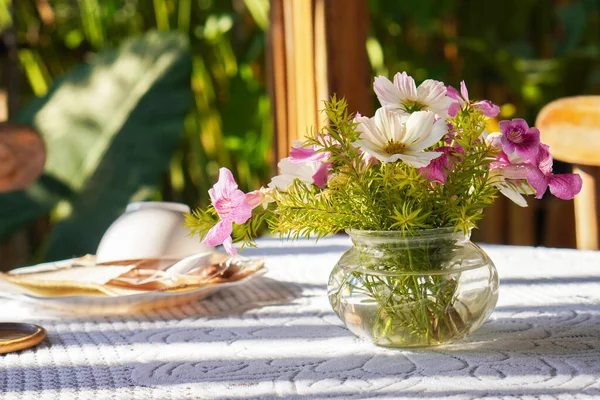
(520, 54)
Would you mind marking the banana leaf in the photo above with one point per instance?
(110, 128)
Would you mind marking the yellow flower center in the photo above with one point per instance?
(394, 148)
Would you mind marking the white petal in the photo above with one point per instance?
(281, 182)
(387, 94)
(493, 140)
(437, 131)
(440, 107)
(484, 135)
(406, 86)
(418, 126)
(514, 158)
(419, 160)
(512, 194)
(370, 131)
(431, 91)
(290, 171)
(390, 124)
(378, 153)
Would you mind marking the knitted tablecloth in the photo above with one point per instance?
(276, 336)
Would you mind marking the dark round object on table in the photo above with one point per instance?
(17, 336)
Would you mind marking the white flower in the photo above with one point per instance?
(404, 97)
(391, 137)
(515, 193)
(291, 170)
(268, 196)
(511, 188)
(492, 139)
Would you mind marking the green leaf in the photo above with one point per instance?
(110, 129)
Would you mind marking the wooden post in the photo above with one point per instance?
(587, 206)
(316, 48)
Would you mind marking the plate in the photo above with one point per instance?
(85, 303)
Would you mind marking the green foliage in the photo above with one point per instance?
(227, 40)
(201, 220)
(110, 128)
(518, 53)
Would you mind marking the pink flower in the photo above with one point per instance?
(518, 137)
(486, 107)
(321, 177)
(511, 171)
(540, 177)
(437, 170)
(508, 173)
(232, 205)
(300, 154)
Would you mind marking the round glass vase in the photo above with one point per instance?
(427, 289)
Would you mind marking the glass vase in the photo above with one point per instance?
(427, 289)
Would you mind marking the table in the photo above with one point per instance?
(277, 337)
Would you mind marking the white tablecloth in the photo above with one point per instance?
(277, 337)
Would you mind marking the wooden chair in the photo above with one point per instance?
(571, 127)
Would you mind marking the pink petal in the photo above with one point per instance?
(320, 177)
(565, 186)
(301, 154)
(218, 233)
(453, 109)
(488, 108)
(519, 123)
(505, 125)
(437, 170)
(228, 246)
(508, 147)
(254, 198)
(225, 184)
(515, 171)
(529, 147)
(538, 181)
(464, 91)
(240, 210)
(544, 159)
(306, 154)
(453, 93)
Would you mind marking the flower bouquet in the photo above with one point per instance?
(408, 185)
